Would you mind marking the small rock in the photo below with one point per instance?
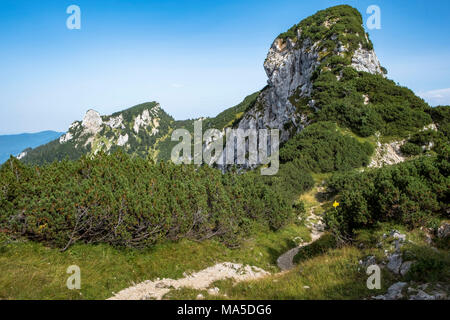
(422, 295)
(444, 230)
(397, 245)
(213, 291)
(395, 262)
(200, 297)
(412, 290)
(405, 267)
(368, 261)
(397, 235)
(423, 286)
(161, 285)
(395, 291)
(439, 295)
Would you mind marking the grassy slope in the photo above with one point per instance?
(324, 272)
(31, 271)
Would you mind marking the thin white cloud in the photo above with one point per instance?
(177, 85)
(436, 97)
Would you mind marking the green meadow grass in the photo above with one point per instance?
(324, 272)
(334, 275)
(30, 270)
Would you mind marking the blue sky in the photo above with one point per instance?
(195, 57)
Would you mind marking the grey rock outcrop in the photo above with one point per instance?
(395, 262)
(426, 291)
(289, 67)
(92, 122)
(444, 230)
(405, 267)
(366, 60)
(394, 292)
(422, 295)
(368, 261)
(421, 292)
(387, 154)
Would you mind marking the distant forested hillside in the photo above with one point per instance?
(15, 144)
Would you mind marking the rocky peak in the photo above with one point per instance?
(294, 57)
(92, 122)
(136, 130)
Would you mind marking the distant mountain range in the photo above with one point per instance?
(16, 143)
(143, 130)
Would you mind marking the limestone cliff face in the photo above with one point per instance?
(92, 122)
(366, 60)
(290, 66)
(135, 130)
(101, 133)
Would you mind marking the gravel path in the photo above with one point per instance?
(201, 280)
(286, 260)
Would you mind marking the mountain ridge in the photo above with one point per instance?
(135, 129)
(334, 36)
(322, 69)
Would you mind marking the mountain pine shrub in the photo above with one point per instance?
(133, 202)
(414, 193)
(321, 148)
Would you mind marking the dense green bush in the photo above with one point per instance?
(292, 180)
(391, 109)
(411, 149)
(133, 202)
(424, 141)
(343, 21)
(429, 265)
(413, 193)
(320, 147)
(423, 138)
(441, 116)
